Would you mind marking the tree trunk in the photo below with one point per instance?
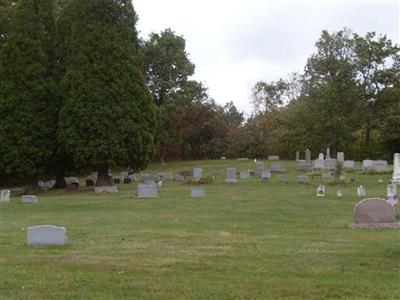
(33, 186)
(60, 180)
(103, 179)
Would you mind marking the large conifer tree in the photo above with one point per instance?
(108, 118)
(29, 101)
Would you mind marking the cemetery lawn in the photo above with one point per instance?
(249, 240)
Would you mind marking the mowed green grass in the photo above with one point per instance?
(249, 240)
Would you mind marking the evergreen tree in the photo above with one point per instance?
(108, 118)
(29, 100)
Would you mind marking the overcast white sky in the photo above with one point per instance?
(235, 43)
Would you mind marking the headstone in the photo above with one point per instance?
(277, 168)
(223, 158)
(302, 166)
(349, 164)
(308, 157)
(132, 177)
(124, 174)
(367, 164)
(46, 185)
(380, 180)
(303, 179)
(166, 175)
(105, 189)
(29, 199)
(265, 175)
(374, 210)
(392, 195)
(197, 173)
(339, 194)
(330, 164)
(179, 178)
(361, 192)
(243, 159)
(245, 174)
(297, 155)
(340, 157)
(198, 193)
(319, 164)
(46, 235)
(285, 178)
(186, 173)
(321, 191)
(147, 191)
(259, 167)
(273, 157)
(230, 175)
(328, 153)
(71, 180)
(326, 176)
(147, 177)
(5, 196)
(321, 156)
(396, 169)
(380, 166)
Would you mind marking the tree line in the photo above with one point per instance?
(80, 91)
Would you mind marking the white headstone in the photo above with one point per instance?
(396, 169)
(339, 194)
(46, 235)
(71, 180)
(321, 156)
(361, 191)
(391, 190)
(321, 191)
(303, 179)
(340, 157)
(328, 153)
(273, 157)
(106, 189)
(5, 196)
(29, 199)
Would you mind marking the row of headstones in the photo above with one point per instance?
(369, 213)
(391, 191)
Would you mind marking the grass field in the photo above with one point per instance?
(250, 240)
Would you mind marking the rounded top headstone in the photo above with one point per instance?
(374, 210)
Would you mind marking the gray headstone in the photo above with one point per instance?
(243, 159)
(374, 210)
(391, 190)
(328, 153)
(303, 179)
(166, 175)
(273, 157)
(198, 193)
(277, 168)
(71, 180)
(265, 175)
(349, 164)
(330, 164)
(147, 191)
(367, 164)
(308, 157)
(46, 235)
(105, 189)
(29, 199)
(319, 164)
(326, 176)
(297, 155)
(186, 173)
(197, 173)
(245, 174)
(380, 166)
(5, 196)
(230, 175)
(147, 177)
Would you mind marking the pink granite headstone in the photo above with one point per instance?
(374, 210)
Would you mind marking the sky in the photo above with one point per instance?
(235, 43)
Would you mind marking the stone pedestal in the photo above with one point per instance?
(396, 169)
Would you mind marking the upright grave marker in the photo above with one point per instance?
(46, 235)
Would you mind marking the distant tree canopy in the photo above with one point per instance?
(347, 99)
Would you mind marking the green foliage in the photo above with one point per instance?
(167, 66)
(29, 98)
(109, 117)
